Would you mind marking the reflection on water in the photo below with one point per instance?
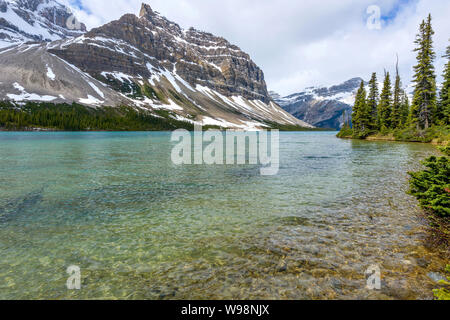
(142, 228)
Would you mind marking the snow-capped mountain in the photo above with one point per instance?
(148, 62)
(321, 107)
(36, 20)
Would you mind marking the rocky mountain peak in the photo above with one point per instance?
(322, 106)
(146, 10)
(200, 58)
(346, 87)
(144, 61)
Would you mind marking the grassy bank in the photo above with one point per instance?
(439, 135)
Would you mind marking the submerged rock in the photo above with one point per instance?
(436, 277)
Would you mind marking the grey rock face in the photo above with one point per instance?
(198, 57)
(322, 107)
(30, 73)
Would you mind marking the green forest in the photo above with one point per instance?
(390, 113)
(75, 117)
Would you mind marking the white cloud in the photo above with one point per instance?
(301, 43)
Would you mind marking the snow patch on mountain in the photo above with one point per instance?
(25, 96)
(91, 101)
(50, 73)
(321, 106)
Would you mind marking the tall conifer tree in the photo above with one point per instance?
(444, 101)
(360, 114)
(424, 102)
(396, 117)
(356, 113)
(404, 109)
(385, 106)
(372, 102)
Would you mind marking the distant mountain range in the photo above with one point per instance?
(144, 61)
(322, 107)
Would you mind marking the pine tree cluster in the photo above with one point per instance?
(77, 117)
(375, 112)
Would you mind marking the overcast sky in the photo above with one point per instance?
(301, 43)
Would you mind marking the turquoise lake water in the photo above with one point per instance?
(140, 227)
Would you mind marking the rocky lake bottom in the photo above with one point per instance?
(140, 227)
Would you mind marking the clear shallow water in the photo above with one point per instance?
(142, 228)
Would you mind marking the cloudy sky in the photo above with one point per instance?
(301, 43)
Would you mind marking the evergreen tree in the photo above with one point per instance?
(345, 119)
(360, 114)
(444, 102)
(404, 109)
(424, 102)
(396, 116)
(385, 107)
(372, 102)
(356, 114)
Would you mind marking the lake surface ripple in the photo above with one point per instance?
(140, 227)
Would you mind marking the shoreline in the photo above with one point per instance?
(438, 227)
(204, 129)
(390, 138)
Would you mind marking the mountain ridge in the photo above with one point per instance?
(150, 63)
(322, 107)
